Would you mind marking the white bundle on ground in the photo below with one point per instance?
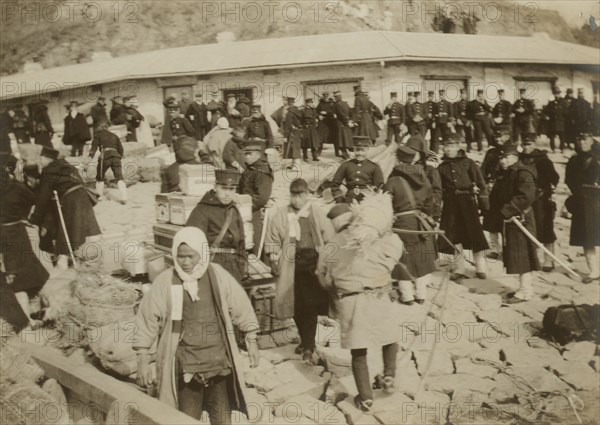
(113, 346)
(150, 169)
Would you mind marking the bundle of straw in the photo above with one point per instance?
(371, 219)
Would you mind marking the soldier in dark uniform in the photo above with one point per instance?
(22, 126)
(490, 168)
(185, 102)
(580, 114)
(76, 202)
(293, 131)
(179, 125)
(430, 122)
(464, 195)
(523, 110)
(327, 122)
(358, 174)
(118, 112)
(310, 138)
(463, 121)
(443, 118)
(42, 126)
(98, 113)
(256, 181)
(512, 196)
(583, 179)
(243, 106)
(111, 152)
(364, 114)
(6, 131)
(77, 131)
(555, 116)
(544, 208)
(344, 124)
(415, 115)
(217, 214)
(259, 128)
(428, 160)
(395, 111)
(480, 114)
(197, 114)
(570, 130)
(134, 118)
(502, 112)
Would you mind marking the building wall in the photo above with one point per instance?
(269, 86)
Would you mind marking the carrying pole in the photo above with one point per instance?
(64, 227)
(263, 233)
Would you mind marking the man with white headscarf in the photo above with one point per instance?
(191, 310)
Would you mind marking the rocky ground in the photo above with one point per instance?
(465, 357)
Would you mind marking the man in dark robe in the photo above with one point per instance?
(77, 131)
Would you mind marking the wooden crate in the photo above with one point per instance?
(263, 301)
(196, 179)
(181, 206)
(163, 235)
(161, 207)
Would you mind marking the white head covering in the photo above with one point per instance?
(223, 123)
(195, 239)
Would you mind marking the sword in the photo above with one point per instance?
(540, 245)
(62, 222)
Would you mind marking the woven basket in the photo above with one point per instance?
(18, 366)
(35, 406)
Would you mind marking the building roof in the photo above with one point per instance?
(312, 50)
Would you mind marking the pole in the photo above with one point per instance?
(62, 222)
(263, 233)
(540, 245)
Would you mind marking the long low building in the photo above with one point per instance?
(265, 70)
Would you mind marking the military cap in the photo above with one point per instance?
(479, 91)
(101, 98)
(463, 90)
(128, 98)
(451, 138)
(557, 90)
(173, 104)
(361, 141)
(416, 93)
(569, 91)
(430, 92)
(226, 177)
(337, 93)
(32, 170)
(253, 146)
(501, 131)
(405, 154)
(198, 95)
(393, 94)
(308, 100)
(364, 92)
(49, 152)
(529, 139)
(356, 88)
(114, 98)
(501, 91)
(442, 92)
(584, 135)
(417, 142)
(255, 107)
(230, 95)
(290, 99)
(509, 149)
(325, 94)
(71, 103)
(338, 210)
(410, 94)
(522, 90)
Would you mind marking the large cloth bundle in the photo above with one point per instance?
(112, 345)
(385, 157)
(371, 219)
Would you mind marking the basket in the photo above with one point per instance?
(18, 366)
(31, 401)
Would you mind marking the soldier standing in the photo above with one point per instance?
(570, 130)
(480, 113)
(98, 113)
(327, 121)
(111, 152)
(118, 112)
(464, 195)
(42, 126)
(178, 124)
(512, 196)
(293, 132)
(364, 112)
(555, 115)
(256, 181)
(395, 111)
(185, 102)
(344, 124)
(218, 217)
(463, 121)
(430, 122)
(310, 138)
(502, 112)
(134, 118)
(583, 179)
(359, 173)
(580, 114)
(415, 115)
(197, 114)
(544, 208)
(259, 128)
(77, 131)
(523, 122)
(443, 117)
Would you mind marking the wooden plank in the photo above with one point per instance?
(108, 393)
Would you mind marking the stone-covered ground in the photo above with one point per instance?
(465, 356)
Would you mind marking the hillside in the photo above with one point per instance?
(55, 36)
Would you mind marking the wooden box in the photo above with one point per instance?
(263, 302)
(180, 208)
(196, 179)
(161, 207)
(163, 235)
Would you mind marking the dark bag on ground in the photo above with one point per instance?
(567, 323)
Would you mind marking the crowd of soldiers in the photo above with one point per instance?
(440, 206)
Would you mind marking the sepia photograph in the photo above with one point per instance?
(277, 212)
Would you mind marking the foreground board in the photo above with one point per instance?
(104, 391)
